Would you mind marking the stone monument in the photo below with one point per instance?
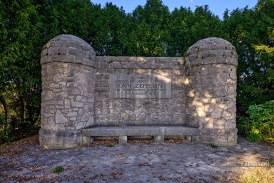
(85, 96)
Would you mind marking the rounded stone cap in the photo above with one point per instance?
(211, 51)
(68, 49)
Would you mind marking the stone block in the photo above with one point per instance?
(71, 114)
(115, 65)
(77, 104)
(216, 114)
(60, 118)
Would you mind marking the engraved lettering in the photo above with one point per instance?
(138, 86)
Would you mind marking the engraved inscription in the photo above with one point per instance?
(139, 86)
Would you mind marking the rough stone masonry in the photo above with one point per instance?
(84, 95)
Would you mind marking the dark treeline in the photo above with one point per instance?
(150, 30)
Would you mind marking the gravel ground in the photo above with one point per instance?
(138, 161)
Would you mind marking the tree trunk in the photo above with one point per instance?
(22, 110)
(3, 102)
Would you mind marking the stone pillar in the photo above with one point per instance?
(211, 92)
(67, 104)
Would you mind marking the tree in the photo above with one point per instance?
(110, 37)
(20, 68)
(250, 30)
(181, 20)
(65, 17)
(150, 29)
(205, 24)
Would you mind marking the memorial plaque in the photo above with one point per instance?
(139, 86)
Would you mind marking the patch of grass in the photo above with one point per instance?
(5, 144)
(8, 136)
(16, 152)
(110, 145)
(82, 145)
(257, 175)
(57, 169)
(271, 162)
(213, 146)
(2, 153)
(220, 179)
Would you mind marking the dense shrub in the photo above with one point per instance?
(259, 125)
(6, 136)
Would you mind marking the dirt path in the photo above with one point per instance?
(138, 161)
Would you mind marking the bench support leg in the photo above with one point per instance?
(159, 138)
(122, 140)
(188, 137)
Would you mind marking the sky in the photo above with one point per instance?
(217, 7)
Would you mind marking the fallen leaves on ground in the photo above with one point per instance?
(17, 147)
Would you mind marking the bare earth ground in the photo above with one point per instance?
(138, 161)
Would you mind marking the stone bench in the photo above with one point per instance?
(159, 132)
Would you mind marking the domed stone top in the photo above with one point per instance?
(211, 51)
(68, 48)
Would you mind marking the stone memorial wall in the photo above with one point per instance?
(138, 91)
(84, 95)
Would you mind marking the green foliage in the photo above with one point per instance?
(149, 35)
(19, 65)
(110, 145)
(111, 37)
(150, 30)
(213, 146)
(57, 169)
(6, 136)
(249, 30)
(259, 125)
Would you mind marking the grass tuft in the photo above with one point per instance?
(213, 146)
(57, 169)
